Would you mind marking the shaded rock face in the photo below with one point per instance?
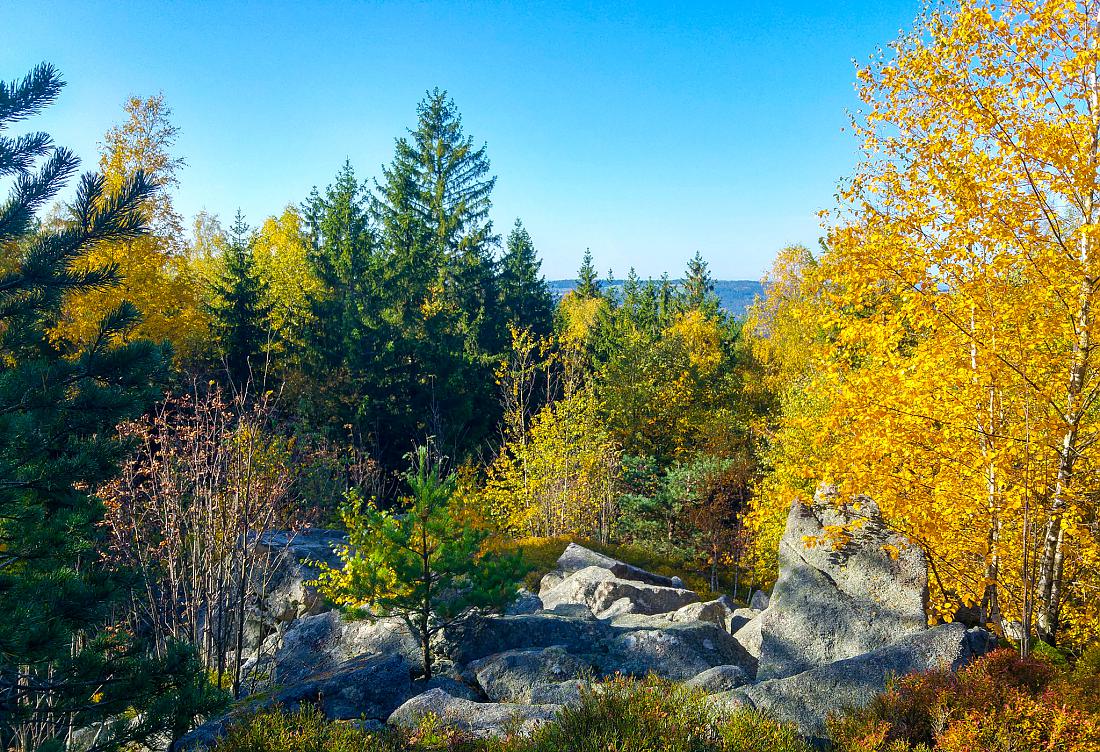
(807, 698)
(759, 600)
(676, 651)
(476, 718)
(321, 642)
(367, 687)
(285, 596)
(512, 676)
(833, 603)
(482, 636)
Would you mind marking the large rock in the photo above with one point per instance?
(831, 602)
(318, 643)
(576, 558)
(576, 587)
(368, 687)
(513, 675)
(748, 636)
(719, 611)
(607, 595)
(477, 718)
(677, 651)
(482, 636)
(807, 699)
(526, 602)
(280, 582)
(719, 679)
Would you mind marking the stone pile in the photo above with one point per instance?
(844, 615)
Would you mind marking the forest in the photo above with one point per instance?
(378, 358)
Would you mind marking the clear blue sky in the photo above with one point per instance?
(645, 130)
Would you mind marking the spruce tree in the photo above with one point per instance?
(588, 283)
(525, 299)
(63, 664)
(239, 308)
(432, 208)
(697, 292)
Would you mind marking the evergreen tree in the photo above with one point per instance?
(698, 288)
(525, 299)
(427, 566)
(437, 278)
(342, 238)
(588, 284)
(62, 664)
(239, 310)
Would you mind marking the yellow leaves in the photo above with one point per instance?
(938, 331)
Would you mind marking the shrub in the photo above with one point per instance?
(658, 716)
(999, 703)
(306, 730)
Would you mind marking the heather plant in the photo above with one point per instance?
(1000, 703)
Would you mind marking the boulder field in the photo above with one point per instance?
(848, 611)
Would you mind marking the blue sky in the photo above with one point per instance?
(644, 130)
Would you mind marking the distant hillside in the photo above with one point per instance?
(736, 294)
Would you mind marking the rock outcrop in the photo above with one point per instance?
(807, 698)
(838, 601)
(839, 621)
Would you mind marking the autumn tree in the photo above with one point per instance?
(153, 269)
(958, 294)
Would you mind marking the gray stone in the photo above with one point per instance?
(576, 557)
(482, 636)
(562, 693)
(645, 599)
(806, 699)
(322, 642)
(511, 676)
(604, 593)
(526, 602)
(749, 637)
(449, 684)
(719, 679)
(481, 719)
(572, 610)
(677, 651)
(759, 600)
(366, 687)
(282, 583)
(740, 617)
(716, 612)
(833, 603)
(577, 587)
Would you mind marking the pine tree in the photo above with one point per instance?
(239, 309)
(525, 299)
(426, 566)
(588, 284)
(62, 664)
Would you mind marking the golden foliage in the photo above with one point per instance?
(948, 331)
